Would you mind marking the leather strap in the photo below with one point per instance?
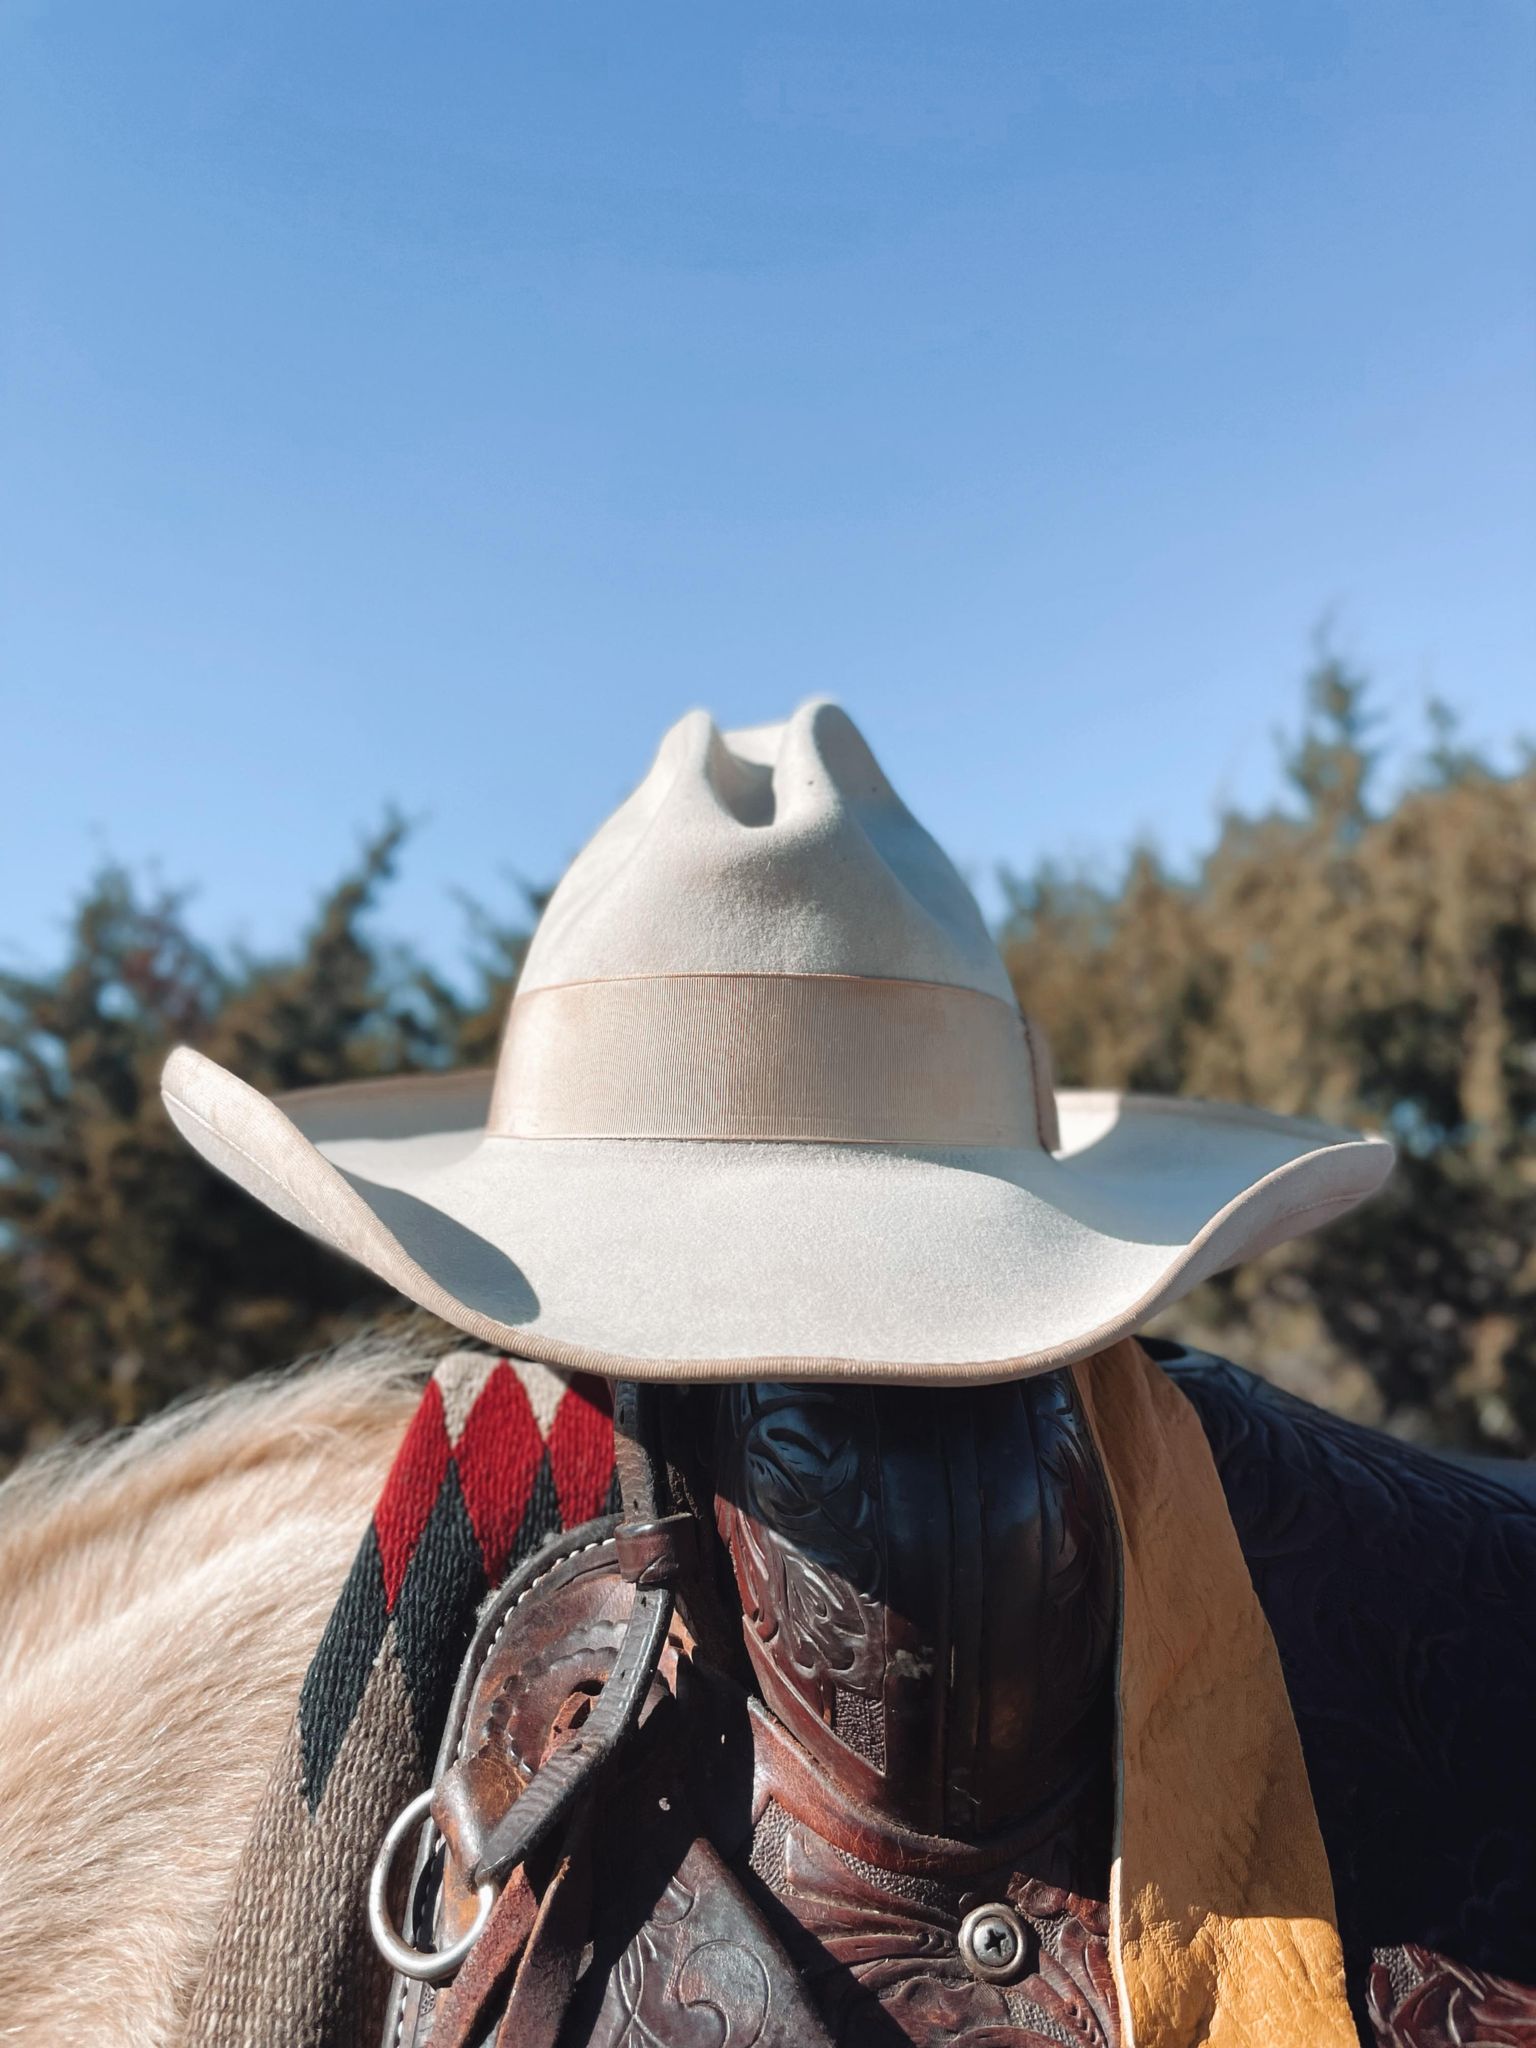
(782, 1771)
(541, 1991)
(462, 2011)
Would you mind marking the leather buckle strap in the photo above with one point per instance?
(553, 1788)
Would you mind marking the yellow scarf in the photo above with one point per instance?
(1221, 1904)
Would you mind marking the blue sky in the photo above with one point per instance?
(429, 404)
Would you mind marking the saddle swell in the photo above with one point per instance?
(927, 1588)
(869, 1798)
(927, 1592)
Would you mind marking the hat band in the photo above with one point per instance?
(841, 1058)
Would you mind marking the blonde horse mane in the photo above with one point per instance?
(160, 1596)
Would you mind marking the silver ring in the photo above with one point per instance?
(431, 1965)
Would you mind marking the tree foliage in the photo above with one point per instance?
(1371, 966)
(1370, 963)
(128, 1272)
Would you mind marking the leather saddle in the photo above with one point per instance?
(812, 1742)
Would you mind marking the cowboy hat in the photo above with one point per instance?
(766, 1106)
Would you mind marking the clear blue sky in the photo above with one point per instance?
(429, 403)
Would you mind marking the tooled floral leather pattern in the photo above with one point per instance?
(1445, 2005)
(880, 1950)
(700, 1970)
(809, 1550)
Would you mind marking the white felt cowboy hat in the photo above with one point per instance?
(766, 1107)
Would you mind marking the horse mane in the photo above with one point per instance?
(161, 1593)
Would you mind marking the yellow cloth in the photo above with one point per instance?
(1221, 1903)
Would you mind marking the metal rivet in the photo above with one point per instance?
(993, 1944)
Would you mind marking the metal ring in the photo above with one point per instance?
(430, 1965)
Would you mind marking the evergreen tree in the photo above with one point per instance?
(128, 1271)
(1372, 967)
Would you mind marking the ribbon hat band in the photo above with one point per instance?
(840, 1058)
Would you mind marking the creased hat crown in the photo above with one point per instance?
(773, 849)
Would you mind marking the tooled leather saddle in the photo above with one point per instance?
(811, 1742)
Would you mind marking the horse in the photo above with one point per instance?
(161, 1593)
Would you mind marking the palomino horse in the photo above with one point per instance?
(160, 1597)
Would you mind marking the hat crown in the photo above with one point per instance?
(771, 849)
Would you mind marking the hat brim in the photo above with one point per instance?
(698, 1259)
